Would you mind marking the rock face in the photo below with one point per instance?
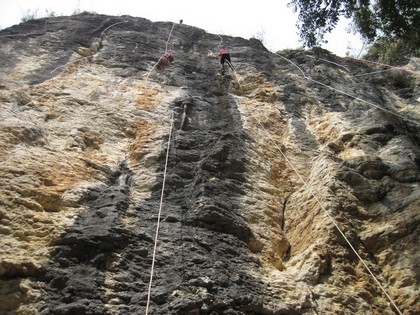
(265, 167)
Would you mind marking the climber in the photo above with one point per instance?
(224, 55)
(165, 61)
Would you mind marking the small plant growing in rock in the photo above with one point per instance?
(29, 15)
(33, 15)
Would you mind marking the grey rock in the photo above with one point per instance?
(83, 149)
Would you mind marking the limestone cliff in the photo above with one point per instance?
(266, 167)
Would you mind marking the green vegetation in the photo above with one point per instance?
(394, 51)
(392, 26)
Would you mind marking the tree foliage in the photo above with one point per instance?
(398, 19)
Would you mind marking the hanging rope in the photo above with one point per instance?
(390, 68)
(169, 37)
(221, 40)
(385, 65)
(81, 58)
(166, 51)
(305, 183)
(329, 61)
(148, 74)
(70, 62)
(374, 72)
(163, 188)
(159, 214)
(103, 32)
(347, 94)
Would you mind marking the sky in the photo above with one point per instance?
(268, 20)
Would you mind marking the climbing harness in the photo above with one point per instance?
(305, 183)
(165, 61)
(349, 95)
(222, 57)
(159, 215)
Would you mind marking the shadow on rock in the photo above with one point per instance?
(76, 275)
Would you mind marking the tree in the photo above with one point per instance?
(394, 19)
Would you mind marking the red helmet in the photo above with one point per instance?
(223, 51)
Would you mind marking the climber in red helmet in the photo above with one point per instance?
(165, 61)
(224, 55)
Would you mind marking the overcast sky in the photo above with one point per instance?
(270, 20)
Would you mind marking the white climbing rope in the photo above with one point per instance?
(81, 58)
(332, 62)
(390, 68)
(169, 37)
(347, 94)
(103, 32)
(221, 40)
(159, 215)
(385, 65)
(70, 62)
(305, 183)
(373, 72)
(163, 190)
(154, 66)
(166, 51)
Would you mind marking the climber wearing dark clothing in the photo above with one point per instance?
(224, 55)
(165, 61)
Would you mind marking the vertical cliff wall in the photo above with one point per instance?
(267, 169)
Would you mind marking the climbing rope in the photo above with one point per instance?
(70, 62)
(163, 188)
(347, 94)
(81, 58)
(169, 37)
(74, 61)
(159, 215)
(103, 32)
(390, 68)
(385, 65)
(221, 40)
(305, 183)
(148, 74)
(332, 62)
(166, 51)
(374, 72)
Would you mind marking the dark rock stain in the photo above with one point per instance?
(202, 257)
